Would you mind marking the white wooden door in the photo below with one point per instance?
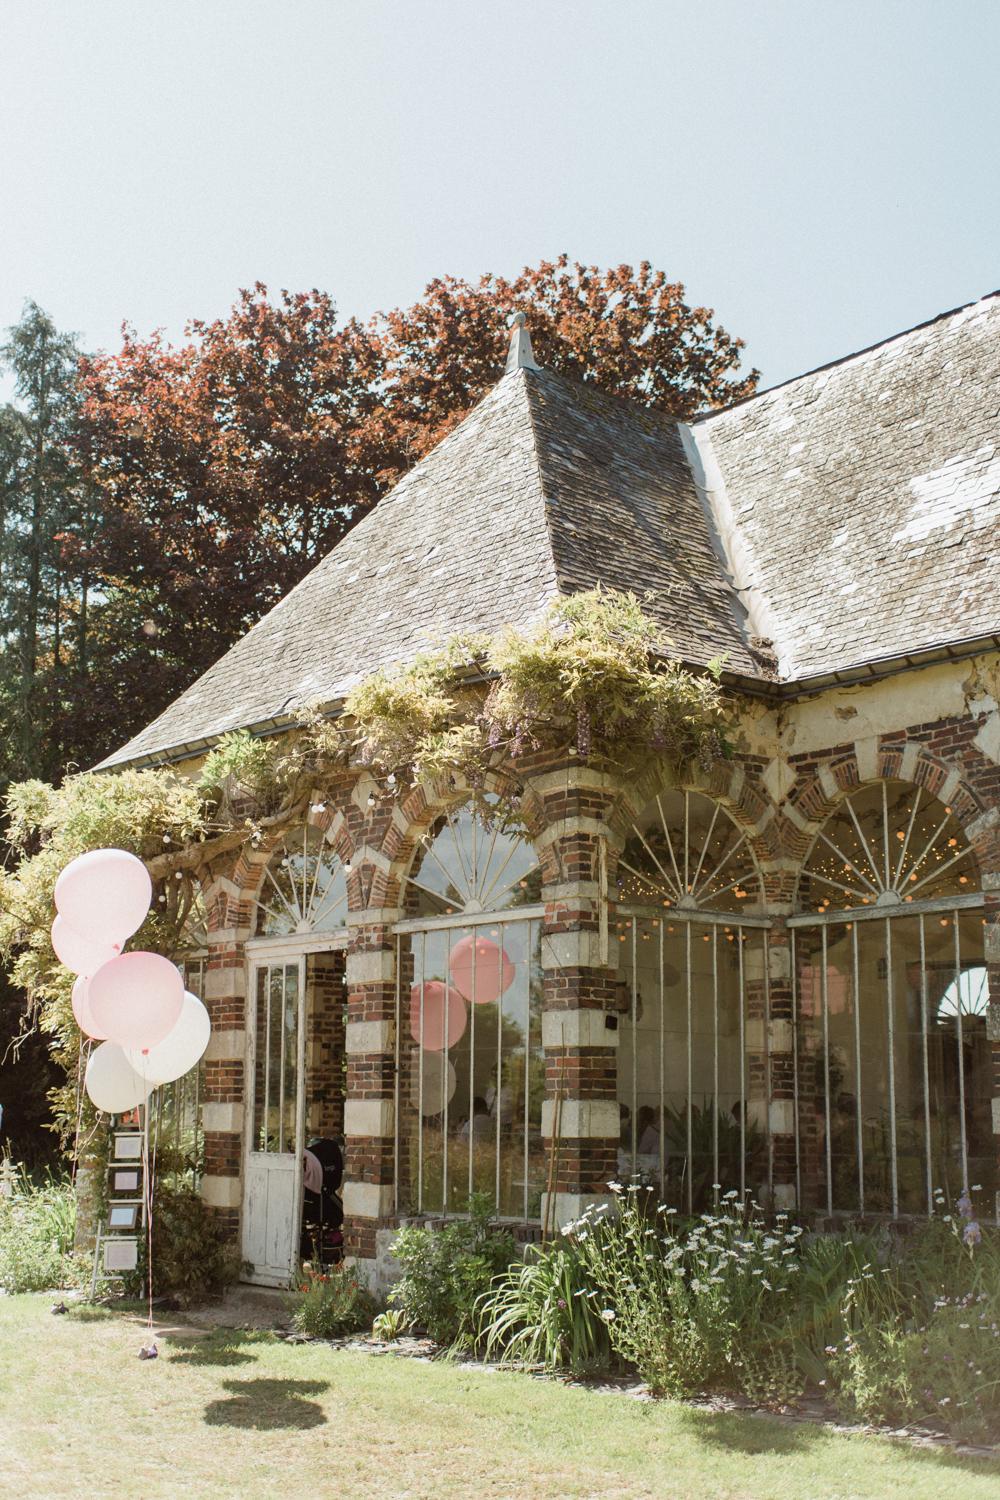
(275, 1120)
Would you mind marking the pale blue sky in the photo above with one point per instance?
(823, 175)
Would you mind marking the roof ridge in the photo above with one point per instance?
(843, 359)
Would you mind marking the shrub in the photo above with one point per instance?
(546, 1312)
(191, 1257)
(694, 1303)
(329, 1304)
(36, 1235)
(447, 1270)
(939, 1359)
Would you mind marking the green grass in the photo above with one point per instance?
(244, 1415)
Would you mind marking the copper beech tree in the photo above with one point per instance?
(227, 468)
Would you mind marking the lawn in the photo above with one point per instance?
(245, 1415)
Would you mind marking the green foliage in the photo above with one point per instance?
(593, 674)
(36, 1234)
(48, 826)
(692, 1303)
(545, 1313)
(389, 1325)
(191, 1257)
(244, 766)
(329, 1304)
(447, 1270)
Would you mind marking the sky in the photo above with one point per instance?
(822, 175)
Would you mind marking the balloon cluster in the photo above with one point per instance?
(480, 972)
(150, 1028)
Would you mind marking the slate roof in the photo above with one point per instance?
(861, 503)
(855, 510)
(547, 487)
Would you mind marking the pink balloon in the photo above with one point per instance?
(78, 954)
(439, 1005)
(494, 970)
(81, 1010)
(104, 895)
(137, 999)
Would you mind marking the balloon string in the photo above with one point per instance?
(80, 1073)
(149, 1199)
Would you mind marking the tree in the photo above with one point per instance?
(631, 333)
(43, 504)
(226, 470)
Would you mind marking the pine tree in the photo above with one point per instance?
(45, 514)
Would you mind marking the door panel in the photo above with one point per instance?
(275, 1110)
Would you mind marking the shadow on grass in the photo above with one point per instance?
(82, 1313)
(268, 1405)
(226, 1348)
(754, 1434)
(751, 1434)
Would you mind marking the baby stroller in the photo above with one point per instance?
(322, 1239)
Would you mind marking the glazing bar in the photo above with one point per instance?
(857, 1067)
(715, 1068)
(444, 1071)
(635, 1025)
(826, 1077)
(927, 1069)
(527, 1053)
(741, 938)
(663, 1096)
(690, 1131)
(892, 1069)
(795, 1066)
(420, 1082)
(961, 1056)
(395, 1089)
(767, 1055)
(265, 975)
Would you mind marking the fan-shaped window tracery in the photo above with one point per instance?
(685, 851)
(304, 888)
(886, 845)
(470, 863)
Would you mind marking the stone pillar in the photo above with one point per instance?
(369, 1111)
(222, 1109)
(580, 1116)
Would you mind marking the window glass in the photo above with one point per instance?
(470, 862)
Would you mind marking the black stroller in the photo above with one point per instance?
(322, 1212)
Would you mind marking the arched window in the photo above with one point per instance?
(472, 862)
(685, 851)
(886, 845)
(304, 888)
(471, 1067)
(691, 997)
(893, 1077)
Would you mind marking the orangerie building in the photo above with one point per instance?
(773, 978)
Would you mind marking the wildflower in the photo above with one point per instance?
(973, 1234)
(562, 1303)
(608, 1315)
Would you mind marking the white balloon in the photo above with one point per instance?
(178, 1053)
(112, 1082)
(439, 1080)
(79, 955)
(104, 895)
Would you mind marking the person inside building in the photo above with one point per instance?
(322, 1209)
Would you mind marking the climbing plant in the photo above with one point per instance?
(593, 676)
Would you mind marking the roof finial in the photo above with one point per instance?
(519, 356)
